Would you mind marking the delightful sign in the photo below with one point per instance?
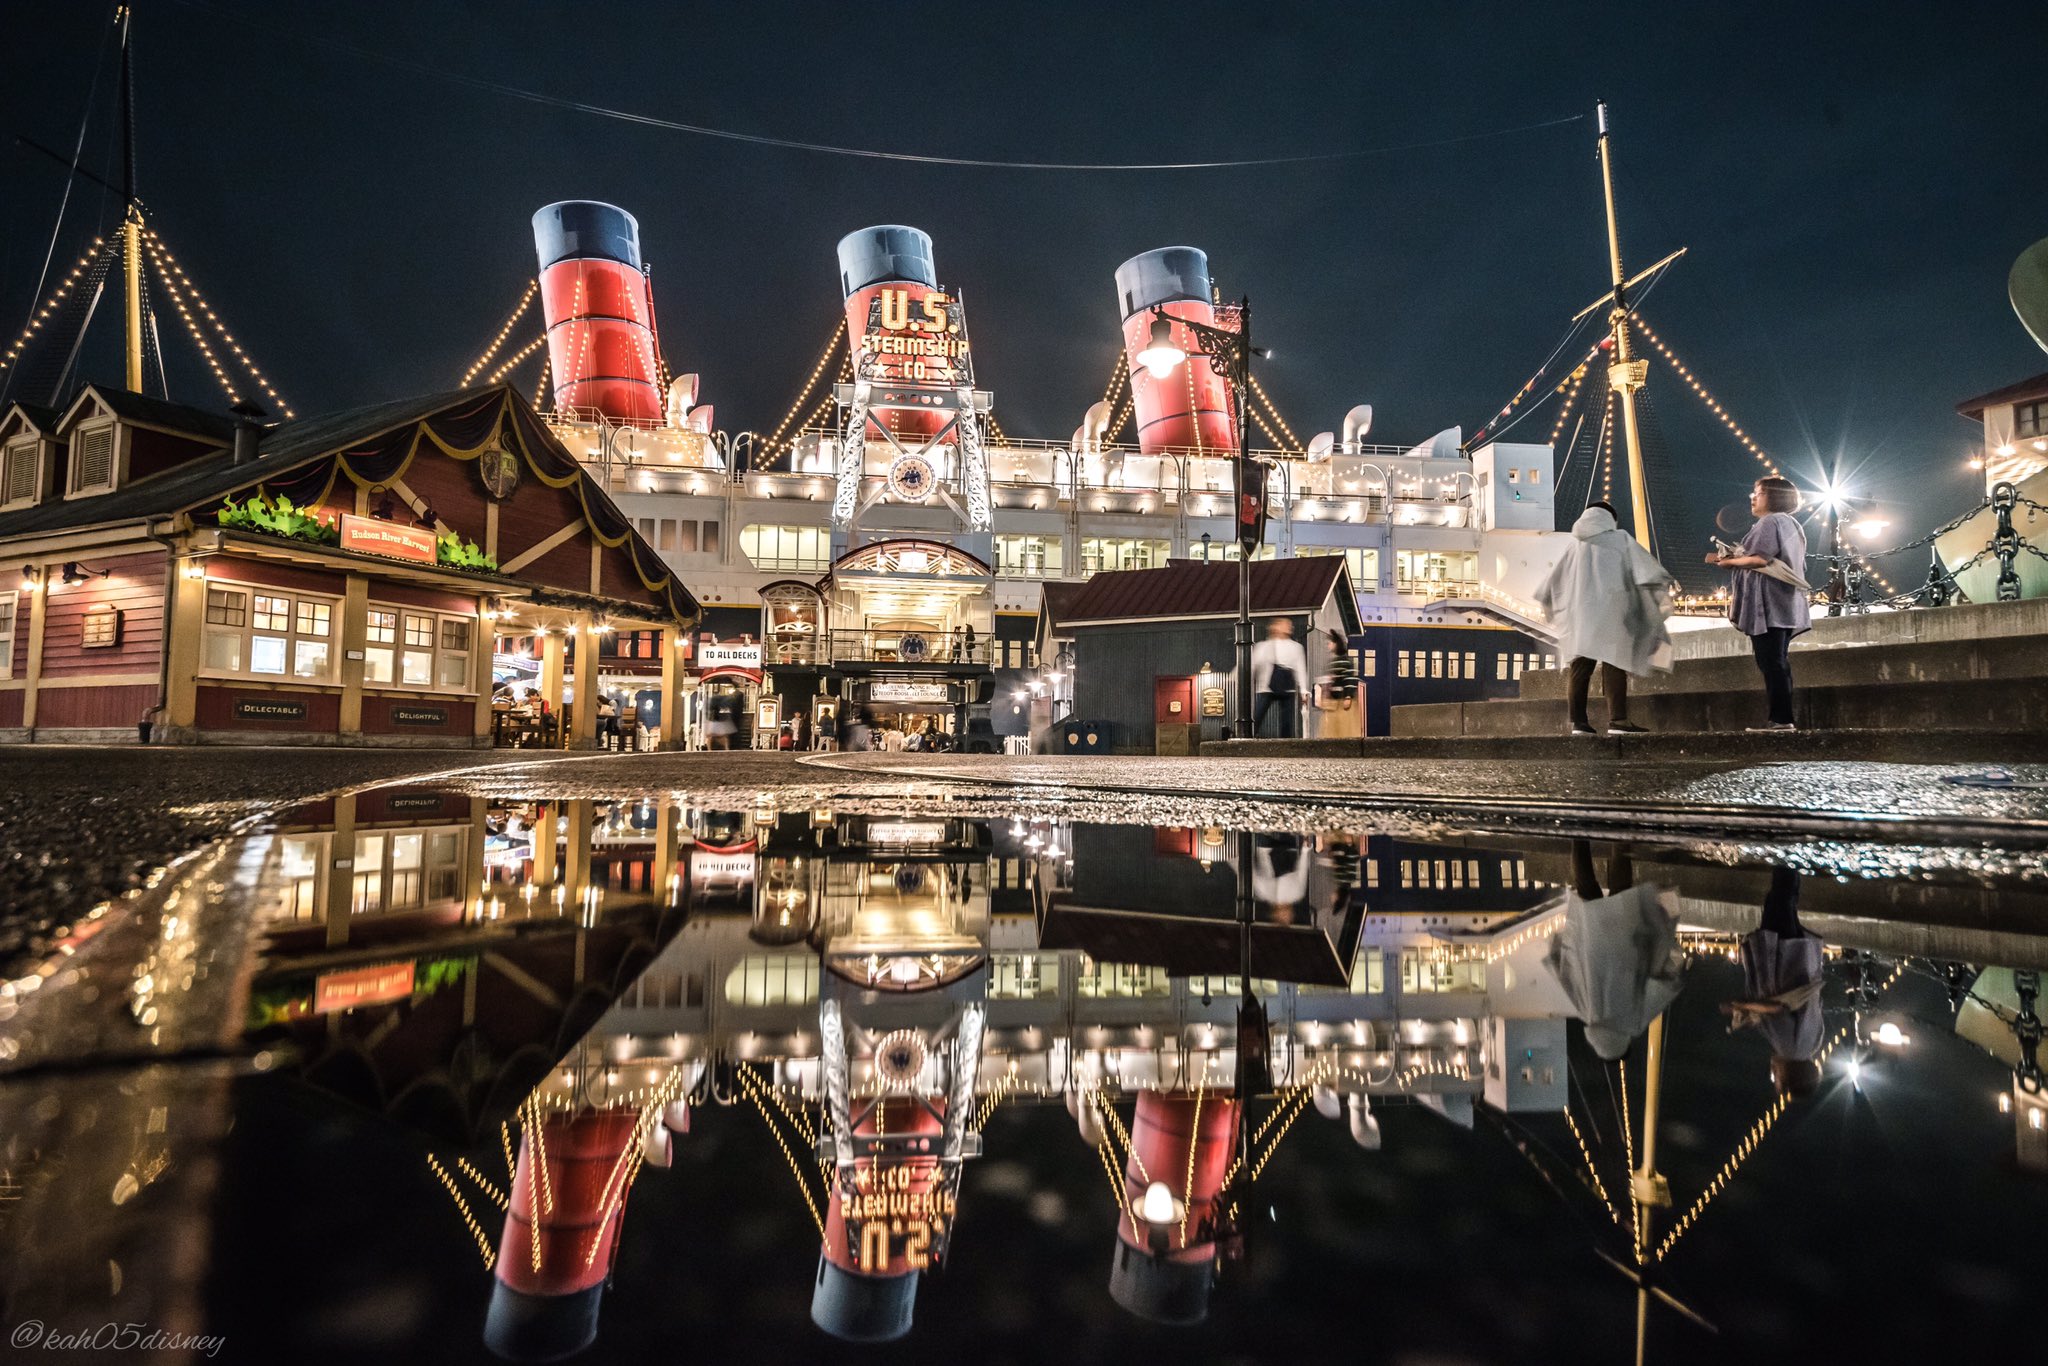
(369, 536)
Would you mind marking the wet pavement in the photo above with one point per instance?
(618, 1055)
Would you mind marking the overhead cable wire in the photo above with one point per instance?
(869, 153)
(64, 202)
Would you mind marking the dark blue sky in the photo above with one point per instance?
(1853, 182)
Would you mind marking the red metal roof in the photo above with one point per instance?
(2026, 391)
(1190, 588)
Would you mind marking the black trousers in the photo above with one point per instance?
(1290, 712)
(1774, 660)
(1621, 871)
(1613, 681)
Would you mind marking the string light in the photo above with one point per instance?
(476, 1231)
(752, 1088)
(540, 392)
(1692, 382)
(485, 359)
(497, 1197)
(1119, 376)
(157, 244)
(1293, 441)
(1570, 388)
(1598, 1185)
(1116, 1187)
(1743, 1148)
(513, 362)
(98, 252)
(192, 326)
(1607, 448)
(774, 441)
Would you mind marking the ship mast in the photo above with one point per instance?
(131, 222)
(1624, 375)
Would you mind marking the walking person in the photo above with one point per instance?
(1768, 603)
(1279, 668)
(1609, 599)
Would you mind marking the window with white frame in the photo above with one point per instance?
(1099, 553)
(7, 601)
(781, 547)
(18, 471)
(403, 870)
(92, 458)
(411, 647)
(268, 633)
(1363, 562)
(1030, 557)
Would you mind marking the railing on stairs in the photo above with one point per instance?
(1502, 606)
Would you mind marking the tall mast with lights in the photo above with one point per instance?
(131, 222)
(1624, 375)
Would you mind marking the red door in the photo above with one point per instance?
(1173, 700)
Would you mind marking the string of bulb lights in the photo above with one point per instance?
(50, 302)
(192, 326)
(774, 440)
(476, 366)
(157, 243)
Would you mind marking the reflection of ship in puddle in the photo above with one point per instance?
(874, 989)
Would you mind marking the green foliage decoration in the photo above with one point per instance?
(279, 517)
(457, 553)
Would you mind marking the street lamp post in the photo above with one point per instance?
(1230, 352)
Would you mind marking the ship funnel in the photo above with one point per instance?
(600, 318)
(1188, 408)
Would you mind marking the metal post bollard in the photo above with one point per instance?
(2005, 542)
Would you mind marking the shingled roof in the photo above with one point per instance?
(1191, 588)
(203, 480)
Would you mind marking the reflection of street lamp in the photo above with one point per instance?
(1230, 353)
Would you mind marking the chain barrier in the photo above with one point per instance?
(1940, 589)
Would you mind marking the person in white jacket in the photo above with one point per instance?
(1608, 598)
(1279, 673)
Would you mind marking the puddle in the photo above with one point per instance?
(478, 1075)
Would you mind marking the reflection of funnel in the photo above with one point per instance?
(559, 1237)
(1164, 1271)
(856, 1308)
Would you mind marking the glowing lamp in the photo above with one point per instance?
(1156, 1205)
(1161, 353)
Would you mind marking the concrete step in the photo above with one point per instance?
(1729, 750)
(2005, 705)
(1943, 661)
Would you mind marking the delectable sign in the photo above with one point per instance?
(392, 541)
(248, 708)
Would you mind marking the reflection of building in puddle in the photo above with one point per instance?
(433, 954)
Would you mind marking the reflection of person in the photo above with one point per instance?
(1781, 986)
(1279, 670)
(1608, 598)
(1279, 875)
(1768, 610)
(1618, 957)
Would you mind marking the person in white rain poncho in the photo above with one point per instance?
(1608, 598)
(1618, 957)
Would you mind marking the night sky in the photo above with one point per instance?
(1853, 183)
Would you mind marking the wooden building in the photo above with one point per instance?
(1153, 647)
(337, 579)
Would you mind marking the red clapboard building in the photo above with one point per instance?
(338, 579)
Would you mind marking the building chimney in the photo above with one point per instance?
(249, 431)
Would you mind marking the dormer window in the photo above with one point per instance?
(92, 458)
(18, 471)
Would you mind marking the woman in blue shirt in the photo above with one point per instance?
(1767, 610)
